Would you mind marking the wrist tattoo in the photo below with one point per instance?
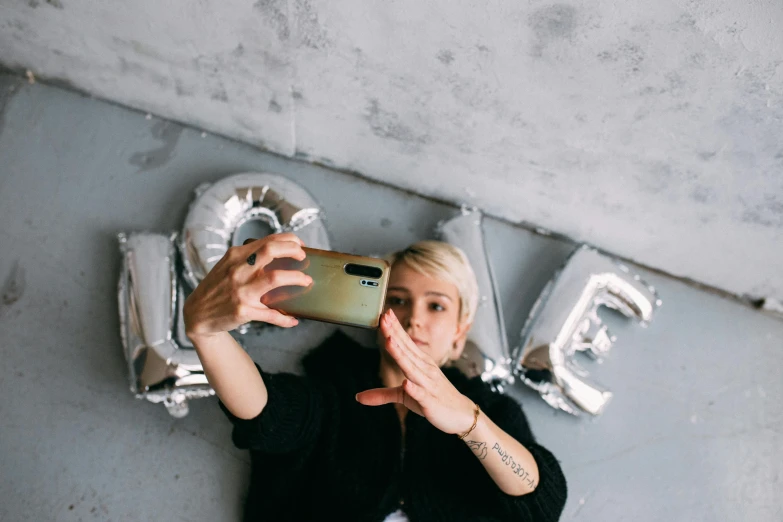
(478, 448)
(508, 460)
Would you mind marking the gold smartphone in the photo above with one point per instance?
(346, 289)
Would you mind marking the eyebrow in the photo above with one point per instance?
(403, 289)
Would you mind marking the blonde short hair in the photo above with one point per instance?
(448, 263)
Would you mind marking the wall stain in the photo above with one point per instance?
(703, 194)
(767, 213)
(182, 90)
(274, 106)
(754, 133)
(551, 23)
(276, 12)
(445, 56)
(386, 222)
(33, 3)
(219, 94)
(697, 60)
(627, 53)
(19, 25)
(313, 34)
(387, 125)
(55, 3)
(518, 121)
(166, 132)
(675, 82)
(238, 51)
(13, 287)
(685, 21)
(657, 179)
(214, 68)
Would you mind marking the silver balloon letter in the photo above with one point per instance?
(267, 202)
(149, 302)
(229, 211)
(486, 350)
(564, 321)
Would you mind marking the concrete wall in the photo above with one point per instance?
(652, 130)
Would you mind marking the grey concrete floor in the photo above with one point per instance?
(693, 433)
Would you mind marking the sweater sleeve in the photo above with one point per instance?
(291, 420)
(546, 503)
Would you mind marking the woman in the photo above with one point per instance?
(339, 443)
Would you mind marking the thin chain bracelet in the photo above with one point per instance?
(475, 421)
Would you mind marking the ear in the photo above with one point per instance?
(460, 337)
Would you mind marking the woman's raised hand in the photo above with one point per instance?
(230, 294)
(426, 390)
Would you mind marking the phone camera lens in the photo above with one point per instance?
(363, 271)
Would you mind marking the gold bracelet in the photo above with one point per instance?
(475, 421)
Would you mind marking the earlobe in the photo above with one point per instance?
(461, 338)
(457, 348)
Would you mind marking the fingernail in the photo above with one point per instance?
(357, 397)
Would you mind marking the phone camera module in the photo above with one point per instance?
(363, 271)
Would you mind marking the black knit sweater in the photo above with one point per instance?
(317, 454)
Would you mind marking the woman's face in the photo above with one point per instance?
(429, 310)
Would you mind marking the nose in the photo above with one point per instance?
(415, 316)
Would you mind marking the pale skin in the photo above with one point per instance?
(420, 331)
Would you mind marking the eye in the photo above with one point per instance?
(437, 307)
(395, 301)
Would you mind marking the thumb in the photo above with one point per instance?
(380, 396)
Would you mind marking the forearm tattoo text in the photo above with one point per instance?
(508, 460)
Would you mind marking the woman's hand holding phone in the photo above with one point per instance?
(230, 294)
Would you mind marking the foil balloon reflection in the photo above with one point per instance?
(486, 349)
(241, 206)
(150, 304)
(229, 211)
(564, 321)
